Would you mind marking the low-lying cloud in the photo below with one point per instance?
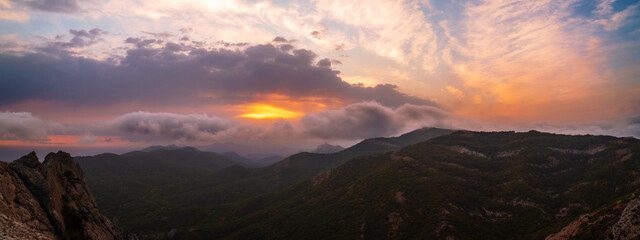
(146, 126)
(350, 123)
(371, 119)
(24, 126)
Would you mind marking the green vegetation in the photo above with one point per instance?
(163, 189)
(466, 185)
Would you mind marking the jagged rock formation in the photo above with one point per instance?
(50, 200)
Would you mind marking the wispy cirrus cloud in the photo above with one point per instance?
(528, 60)
(398, 30)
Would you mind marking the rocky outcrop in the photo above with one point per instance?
(50, 200)
(628, 225)
(622, 222)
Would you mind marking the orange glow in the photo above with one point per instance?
(68, 140)
(279, 106)
(264, 111)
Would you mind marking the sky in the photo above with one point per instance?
(91, 76)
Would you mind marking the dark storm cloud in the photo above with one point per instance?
(60, 6)
(163, 72)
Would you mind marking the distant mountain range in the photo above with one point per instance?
(467, 185)
(155, 191)
(254, 161)
(427, 184)
(254, 152)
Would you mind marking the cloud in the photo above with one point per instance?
(162, 35)
(492, 49)
(316, 35)
(153, 69)
(613, 21)
(280, 39)
(352, 122)
(455, 92)
(9, 12)
(59, 6)
(634, 120)
(87, 139)
(25, 127)
(397, 30)
(371, 119)
(146, 126)
(82, 38)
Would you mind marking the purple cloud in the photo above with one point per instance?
(155, 71)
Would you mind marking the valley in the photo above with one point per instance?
(430, 183)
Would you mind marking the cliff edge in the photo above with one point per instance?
(50, 200)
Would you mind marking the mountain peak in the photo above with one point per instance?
(160, 147)
(328, 148)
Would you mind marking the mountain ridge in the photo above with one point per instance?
(147, 202)
(465, 185)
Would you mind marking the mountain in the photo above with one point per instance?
(155, 197)
(261, 162)
(266, 161)
(253, 152)
(466, 185)
(304, 165)
(50, 200)
(328, 148)
(236, 157)
(127, 185)
(160, 147)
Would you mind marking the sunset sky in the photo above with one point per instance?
(89, 76)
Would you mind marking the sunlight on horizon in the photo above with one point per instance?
(265, 111)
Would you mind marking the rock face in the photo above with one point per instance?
(50, 200)
(628, 225)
